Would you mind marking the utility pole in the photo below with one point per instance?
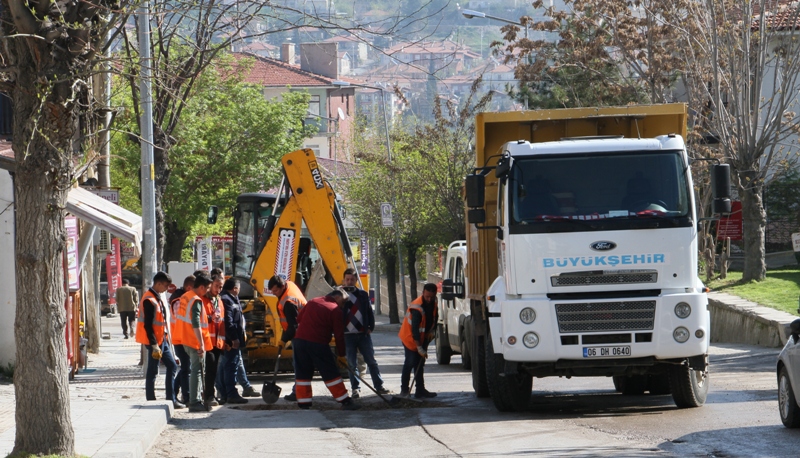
(148, 167)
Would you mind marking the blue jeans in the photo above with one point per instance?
(362, 342)
(232, 358)
(414, 362)
(152, 372)
(182, 380)
(241, 375)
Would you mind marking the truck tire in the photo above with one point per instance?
(466, 357)
(479, 382)
(658, 384)
(443, 350)
(787, 402)
(689, 387)
(630, 385)
(510, 392)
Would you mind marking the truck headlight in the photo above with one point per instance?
(683, 310)
(680, 334)
(527, 315)
(530, 339)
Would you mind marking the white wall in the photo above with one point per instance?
(8, 295)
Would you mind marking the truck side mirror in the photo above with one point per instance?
(476, 216)
(721, 187)
(447, 290)
(474, 185)
(213, 211)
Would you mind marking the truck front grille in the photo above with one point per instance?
(606, 316)
(604, 278)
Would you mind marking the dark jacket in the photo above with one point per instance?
(234, 321)
(365, 307)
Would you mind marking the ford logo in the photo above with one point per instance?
(603, 245)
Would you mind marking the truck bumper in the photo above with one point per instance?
(608, 336)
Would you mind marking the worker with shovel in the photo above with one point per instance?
(318, 321)
(416, 332)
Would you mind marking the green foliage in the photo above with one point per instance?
(229, 141)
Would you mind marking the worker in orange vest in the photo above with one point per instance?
(153, 331)
(290, 302)
(320, 320)
(216, 331)
(182, 380)
(191, 331)
(416, 332)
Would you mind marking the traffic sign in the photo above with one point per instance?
(386, 215)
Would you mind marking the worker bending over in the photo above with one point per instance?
(319, 320)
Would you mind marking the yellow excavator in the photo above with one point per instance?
(282, 234)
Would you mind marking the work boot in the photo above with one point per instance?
(382, 390)
(211, 402)
(237, 400)
(178, 405)
(424, 394)
(133, 333)
(126, 336)
(197, 407)
(222, 401)
(250, 392)
(356, 394)
(290, 397)
(405, 392)
(348, 404)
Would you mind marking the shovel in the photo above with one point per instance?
(391, 402)
(271, 392)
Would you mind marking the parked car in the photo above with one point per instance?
(789, 378)
(105, 307)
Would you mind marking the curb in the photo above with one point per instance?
(737, 320)
(139, 432)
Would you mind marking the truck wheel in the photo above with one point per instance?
(689, 387)
(630, 385)
(443, 350)
(510, 393)
(787, 403)
(466, 358)
(658, 384)
(479, 382)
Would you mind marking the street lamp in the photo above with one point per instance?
(470, 14)
(343, 84)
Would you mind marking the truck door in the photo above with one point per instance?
(461, 303)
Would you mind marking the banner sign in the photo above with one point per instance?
(364, 253)
(73, 271)
(113, 271)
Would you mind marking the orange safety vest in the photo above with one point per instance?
(159, 322)
(405, 329)
(184, 332)
(216, 321)
(291, 293)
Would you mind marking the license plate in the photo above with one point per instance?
(607, 352)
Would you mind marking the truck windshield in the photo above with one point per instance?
(608, 191)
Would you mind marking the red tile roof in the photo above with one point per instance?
(275, 73)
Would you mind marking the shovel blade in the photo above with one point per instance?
(270, 393)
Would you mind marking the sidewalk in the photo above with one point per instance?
(109, 413)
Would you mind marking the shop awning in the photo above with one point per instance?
(107, 216)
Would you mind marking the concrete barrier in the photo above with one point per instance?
(737, 320)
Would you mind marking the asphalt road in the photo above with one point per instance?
(566, 417)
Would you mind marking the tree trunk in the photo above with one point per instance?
(411, 259)
(175, 239)
(389, 256)
(162, 172)
(754, 221)
(44, 132)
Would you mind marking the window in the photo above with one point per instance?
(313, 105)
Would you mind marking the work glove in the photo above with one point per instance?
(422, 352)
(156, 353)
(342, 362)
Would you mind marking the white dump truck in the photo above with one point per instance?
(581, 253)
